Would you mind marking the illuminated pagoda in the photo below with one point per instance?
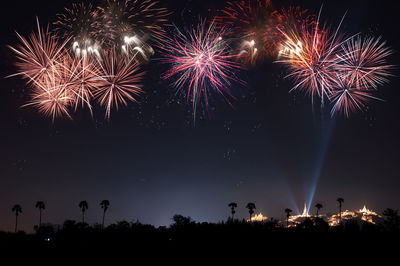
(257, 218)
(363, 214)
(297, 219)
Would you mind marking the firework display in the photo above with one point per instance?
(94, 55)
(309, 52)
(253, 21)
(201, 61)
(327, 65)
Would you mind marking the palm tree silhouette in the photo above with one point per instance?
(41, 206)
(288, 211)
(17, 209)
(84, 206)
(251, 206)
(233, 205)
(104, 205)
(340, 200)
(318, 206)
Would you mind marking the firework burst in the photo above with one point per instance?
(79, 23)
(348, 97)
(310, 53)
(363, 62)
(120, 81)
(122, 18)
(253, 19)
(38, 56)
(201, 61)
(82, 77)
(38, 61)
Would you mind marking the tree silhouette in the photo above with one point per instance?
(84, 206)
(233, 205)
(41, 206)
(17, 209)
(318, 206)
(288, 211)
(392, 220)
(104, 205)
(251, 206)
(340, 200)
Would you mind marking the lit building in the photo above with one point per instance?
(363, 214)
(257, 218)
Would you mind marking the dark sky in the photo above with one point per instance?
(150, 161)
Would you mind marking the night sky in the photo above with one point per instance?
(150, 161)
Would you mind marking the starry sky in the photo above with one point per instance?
(150, 161)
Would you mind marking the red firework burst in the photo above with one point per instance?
(201, 60)
(253, 20)
(80, 23)
(310, 54)
(287, 19)
(121, 18)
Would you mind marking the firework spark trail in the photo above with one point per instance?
(120, 82)
(201, 60)
(363, 61)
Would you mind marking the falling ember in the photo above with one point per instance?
(86, 49)
(201, 61)
(257, 218)
(135, 47)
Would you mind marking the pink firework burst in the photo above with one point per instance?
(363, 62)
(120, 82)
(201, 60)
(348, 97)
